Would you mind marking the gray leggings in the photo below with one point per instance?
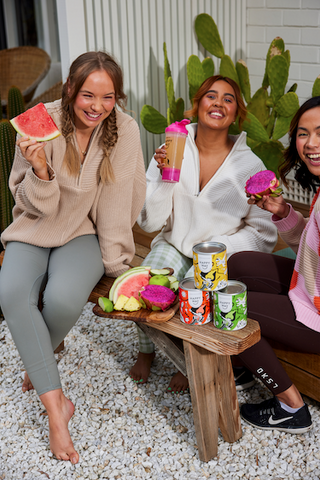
(68, 274)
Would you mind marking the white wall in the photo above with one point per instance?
(297, 22)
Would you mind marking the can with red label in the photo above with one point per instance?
(195, 304)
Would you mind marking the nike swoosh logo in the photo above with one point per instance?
(276, 422)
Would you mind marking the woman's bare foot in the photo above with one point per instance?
(60, 409)
(179, 383)
(27, 385)
(141, 369)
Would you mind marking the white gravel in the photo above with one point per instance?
(125, 431)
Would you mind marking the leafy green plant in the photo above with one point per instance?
(270, 109)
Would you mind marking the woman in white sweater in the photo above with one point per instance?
(208, 203)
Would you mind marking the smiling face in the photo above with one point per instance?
(218, 107)
(95, 100)
(308, 140)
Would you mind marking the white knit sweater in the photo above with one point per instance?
(218, 213)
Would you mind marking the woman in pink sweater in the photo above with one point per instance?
(283, 294)
(76, 200)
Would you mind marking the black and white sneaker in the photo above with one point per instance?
(269, 415)
(243, 378)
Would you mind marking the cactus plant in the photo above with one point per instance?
(7, 146)
(15, 106)
(270, 109)
(15, 102)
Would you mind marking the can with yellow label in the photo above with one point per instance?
(210, 266)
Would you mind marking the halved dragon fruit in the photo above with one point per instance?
(157, 297)
(263, 183)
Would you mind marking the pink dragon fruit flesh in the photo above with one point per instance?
(157, 297)
(263, 183)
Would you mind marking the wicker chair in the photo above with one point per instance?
(23, 67)
(53, 93)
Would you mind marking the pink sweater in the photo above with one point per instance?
(303, 236)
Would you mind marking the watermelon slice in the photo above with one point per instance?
(131, 285)
(124, 275)
(36, 124)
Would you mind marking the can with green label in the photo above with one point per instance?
(230, 306)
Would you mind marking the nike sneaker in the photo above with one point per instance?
(269, 415)
(243, 378)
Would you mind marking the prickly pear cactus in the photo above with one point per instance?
(208, 34)
(244, 80)
(227, 69)
(270, 109)
(316, 87)
(15, 102)
(7, 147)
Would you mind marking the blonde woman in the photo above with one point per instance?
(76, 200)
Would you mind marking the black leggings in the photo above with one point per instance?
(268, 278)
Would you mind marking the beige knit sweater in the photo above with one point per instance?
(51, 213)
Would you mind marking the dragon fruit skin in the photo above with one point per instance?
(157, 297)
(263, 183)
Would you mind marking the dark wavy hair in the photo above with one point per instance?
(205, 86)
(291, 157)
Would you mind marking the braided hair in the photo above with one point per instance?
(80, 69)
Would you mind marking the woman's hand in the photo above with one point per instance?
(159, 157)
(34, 154)
(276, 205)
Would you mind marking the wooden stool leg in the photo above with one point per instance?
(203, 375)
(229, 415)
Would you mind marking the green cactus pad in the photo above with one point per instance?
(179, 110)
(287, 56)
(278, 72)
(287, 105)
(276, 48)
(208, 35)
(293, 88)
(15, 102)
(208, 67)
(259, 106)
(7, 148)
(316, 87)
(195, 74)
(271, 155)
(255, 129)
(152, 120)
(167, 70)
(244, 80)
(227, 69)
(281, 127)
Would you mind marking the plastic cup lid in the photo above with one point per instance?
(179, 127)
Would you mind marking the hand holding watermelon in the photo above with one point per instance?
(33, 152)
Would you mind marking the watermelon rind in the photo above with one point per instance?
(119, 279)
(139, 279)
(34, 121)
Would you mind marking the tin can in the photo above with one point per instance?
(210, 266)
(230, 306)
(195, 304)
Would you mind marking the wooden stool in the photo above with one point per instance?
(206, 362)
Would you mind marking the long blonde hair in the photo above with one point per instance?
(80, 69)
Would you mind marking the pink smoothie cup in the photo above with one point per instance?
(176, 135)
